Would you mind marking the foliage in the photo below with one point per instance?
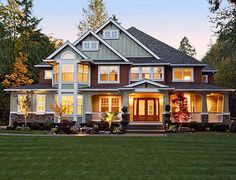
(94, 16)
(20, 75)
(186, 47)
(182, 114)
(124, 109)
(60, 111)
(109, 117)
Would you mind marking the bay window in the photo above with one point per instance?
(40, 103)
(110, 103)
(153, 73)
(67, 102)
(184, 74)
(83, 72)
(55, 73)
(108, 74)
(67, 72)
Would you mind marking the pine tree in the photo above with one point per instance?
(94, 16)
(20, 75)
(186, 47)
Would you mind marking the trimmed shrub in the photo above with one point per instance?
(219, 127)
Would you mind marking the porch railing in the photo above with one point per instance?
(97, 116)
(215, 117)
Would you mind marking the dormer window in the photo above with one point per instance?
(110, 34)
(90, 45)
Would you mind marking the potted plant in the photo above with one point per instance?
(125, 117)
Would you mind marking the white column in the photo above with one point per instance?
(204, 115)
(125, 99)
(226, 104)
(166, 101)
(87, 105)
(75, 93)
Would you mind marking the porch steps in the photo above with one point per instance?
(145, 128)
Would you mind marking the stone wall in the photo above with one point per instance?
(32, 118)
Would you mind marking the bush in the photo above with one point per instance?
(219, 127)
(233, 127)
(34, 125)
(64, 127)
(11, 128)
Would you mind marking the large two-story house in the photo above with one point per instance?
(113, 67)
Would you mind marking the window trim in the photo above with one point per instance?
(83, 73)
(37, 112)
(205, 75)
(109, 82)
(46, 73)
(182, 80)
(71, 95)
(68, 52)
(90, 46)
(151, 72)
(110, 30)
(62, 72)
(109, 102)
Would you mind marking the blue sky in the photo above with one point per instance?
(166, 20)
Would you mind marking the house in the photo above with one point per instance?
(114, 67)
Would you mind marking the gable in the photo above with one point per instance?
(65, 50)
(103, 53)
(125, 45)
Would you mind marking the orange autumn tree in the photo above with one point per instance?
(20, 75)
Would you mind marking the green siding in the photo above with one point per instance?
(103, 53)
(67, 86)
(58, 56)
(125, 45)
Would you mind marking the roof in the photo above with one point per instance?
(208, 68)
(146, 60)
(47, 87)
(164, 51)
(43, 64)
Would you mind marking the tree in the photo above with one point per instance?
(20, 75)
(60, 111)
(215, 4)
(94, 16)
(182, 114)
(25, 106)
(186, 47)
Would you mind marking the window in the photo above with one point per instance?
(67, 102)
(48, 74)
(182, 74)
(79, 104)
(215, 103)
(68, 55)
(55, 73)
(40, 103)
(83, 73)
(67, 72)
(110, 104)
(110, 34)
(90, 45)
(154, 73)
(21, 106)
(205, 78)
(108, 74)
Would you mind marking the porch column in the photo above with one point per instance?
(125, 99)
(166, 101)
(87, 107)
(226, 113)
(204, 115)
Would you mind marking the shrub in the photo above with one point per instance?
(219, 127)
(64, 126)
(34, 125)
(233, 127)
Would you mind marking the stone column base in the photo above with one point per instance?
(226, 119)
(204, 118)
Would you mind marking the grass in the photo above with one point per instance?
(23, 131)
(177, 156)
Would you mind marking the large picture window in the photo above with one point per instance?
(108, 74)
(40, 103)
(153, 73)
(183, 74)
(110, 103)
(83, 73)
(67, 102)
(67, 72)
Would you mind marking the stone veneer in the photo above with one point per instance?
(32, 118)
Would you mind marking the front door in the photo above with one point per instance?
(146, 109)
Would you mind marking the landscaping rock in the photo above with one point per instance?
(184, 129)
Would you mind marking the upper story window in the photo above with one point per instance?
(205, 78)
(154, 73)
(48, 74)
(67, 72)
(83, 72)
(182, 74)
(55, 73)
(108, 74)
(110, 34)
(90, 45)
(68, 55)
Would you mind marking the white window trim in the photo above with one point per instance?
(151, 72)
(90, 45)
(109, 82)
(109, 102)
(182, 80)
(37, 103)
(206, 78)
(72, 103)
(68, 52)
(89, 72)
(46, 73)
(74, 68)
(18, 105)
(111, 30)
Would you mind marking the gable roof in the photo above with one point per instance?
(101, 40)
(146, 81)
(43, 64)
(67, 43)
(164, 51)
(110, 20)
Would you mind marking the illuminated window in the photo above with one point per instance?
(146, 73)
(40, 103)
(205, 78)
(21, 105)
(90, 45)
(79, 104)
(68, 55)
(67, 102)
(83, 73)
(108, 74)
(110, 34)
(157, 73)
(55, 73)
(67, 72)
(182, 74)
(110, 104)
(215, 103)
(134, 73)
(48, 74)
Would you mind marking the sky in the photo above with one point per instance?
(168, 21)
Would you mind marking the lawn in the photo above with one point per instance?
(177, 156)
(23, 131)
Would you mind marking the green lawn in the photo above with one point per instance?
(23, 131)
(177, 156)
